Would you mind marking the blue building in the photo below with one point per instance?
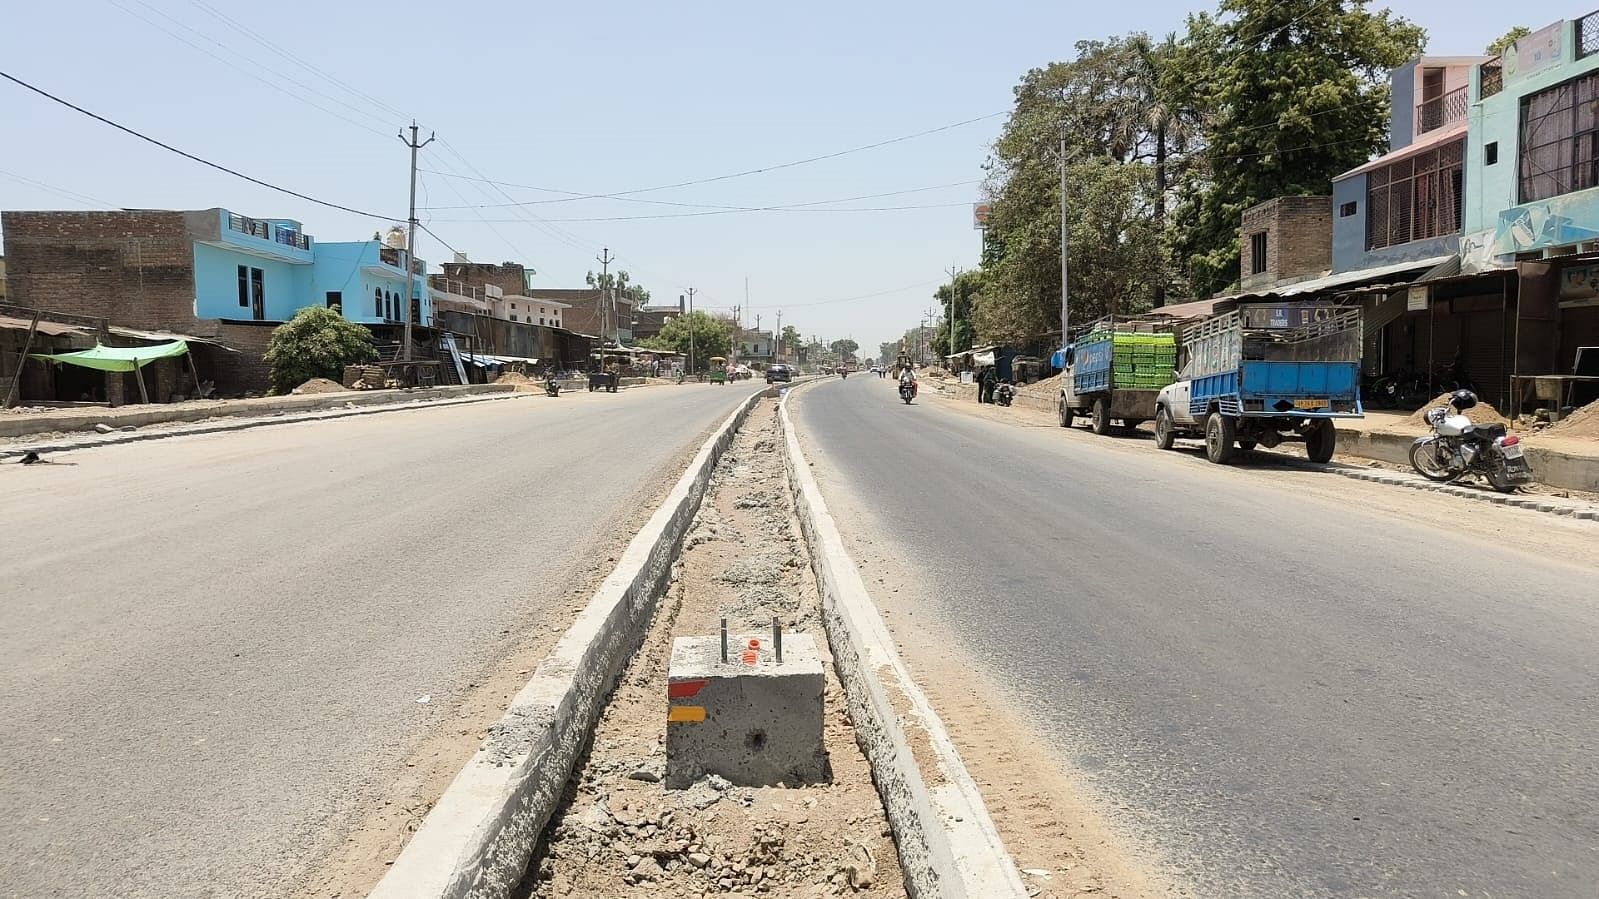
(369, 281)
(248, 268)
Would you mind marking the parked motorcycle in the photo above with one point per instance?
(552, 387)
(1004, 393)
(907, 391)
(843, 373)
(1458, 446)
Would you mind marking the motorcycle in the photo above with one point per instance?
(843, 373)
(1004, 393)
(1458, 446)
(907, 391)
(552, 387)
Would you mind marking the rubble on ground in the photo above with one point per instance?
(1584, 422)
(318, 385)
(1481, 414)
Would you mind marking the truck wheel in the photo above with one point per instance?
(1320, 441)
(1101, 417)
(1165, 432)
(1065, 413)
(1220, 435)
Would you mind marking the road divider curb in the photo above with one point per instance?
(1546, 505)
(948, 845)
(480, 835)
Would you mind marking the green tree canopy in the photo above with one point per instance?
(965, 287)
(844, 347)
(621, 281)
(1293, 92)
(711, 337)
(317, 342)
(791, 337)
(1507, 39)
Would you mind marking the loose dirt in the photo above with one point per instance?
(318, 385)
(1582, 423)
(621, 833)
(1480, 414)
(522, 382)
(1048, 387)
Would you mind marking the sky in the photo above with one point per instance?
(556, 100)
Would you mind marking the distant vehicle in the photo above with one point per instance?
(1265, 373)
(877, 369)
(1115, 371)
(779, 372)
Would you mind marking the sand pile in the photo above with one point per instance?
(1481, 414)
(1049, 387)
(1582, 423)
(318, 385)
(518, 380)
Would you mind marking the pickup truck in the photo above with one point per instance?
(1265, 374)
(1115, 371)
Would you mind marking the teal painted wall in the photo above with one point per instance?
(287, 285)
(356, 271)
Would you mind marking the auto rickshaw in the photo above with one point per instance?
(718, 369)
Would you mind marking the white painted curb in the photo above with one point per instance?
(948, 845)
(479, 837)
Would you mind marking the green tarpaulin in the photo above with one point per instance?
(118, 358)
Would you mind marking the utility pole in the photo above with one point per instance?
(410, 241)
(690, 330)
(1065, 232)
(757, 331)
(954, 279)
(778, 351)
(605, 259)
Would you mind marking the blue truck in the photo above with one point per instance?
(1114, 371)
(1262, 374)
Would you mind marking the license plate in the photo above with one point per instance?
(1513, 451)
(1311, 404)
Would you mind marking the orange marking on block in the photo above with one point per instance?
(686, 713)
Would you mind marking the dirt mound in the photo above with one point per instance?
(318, 385)
(1582, 423)
(1050, 386)
(1481, 414)
(518, 380)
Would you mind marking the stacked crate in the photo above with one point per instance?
(1144, 361)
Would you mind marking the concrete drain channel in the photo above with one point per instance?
(652, 756)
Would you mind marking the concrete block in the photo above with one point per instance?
(754, 724)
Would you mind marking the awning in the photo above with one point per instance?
(47, 328)
(165, 336)
(117, 358)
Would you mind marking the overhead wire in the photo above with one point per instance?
(735, 208)
(679, 215)
(192, 157)
(59, 191)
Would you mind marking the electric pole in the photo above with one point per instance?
(605, 259)
(410, 242)
(690, 330)
(954, 279)
(778, 351)
(1065, 232)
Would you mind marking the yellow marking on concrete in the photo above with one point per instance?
(686, 713)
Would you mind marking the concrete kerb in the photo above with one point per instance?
(479, 838)
(1583, 511)
(949, 847)
(259, 420)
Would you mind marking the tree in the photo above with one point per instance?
(965, 287)
(317, 342)
(844, 348)
(622, 282)
(711, 337)
(1294, 92)
(791, 337)
(888, 352)
(1499, 46)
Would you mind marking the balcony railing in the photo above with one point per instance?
(293, 238)
(1490, 78)
(1587, 35)
(389, 256)
(250, 226)
(1440, 111)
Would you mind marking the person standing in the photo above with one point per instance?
(985, 384)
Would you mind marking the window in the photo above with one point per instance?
(541, 321)
(1346, 210)
(244, 287)
(335, 299)
(1559, 132)
(513, 316)
(377, 302)
(1490, 153)
(1415, 198)
(257, 294)
(1257, 253)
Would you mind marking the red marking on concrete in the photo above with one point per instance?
(685, 688)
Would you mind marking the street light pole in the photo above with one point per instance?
(690, 331)
(954, 278)
(1065, 234)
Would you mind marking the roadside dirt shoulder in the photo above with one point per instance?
(621, 833)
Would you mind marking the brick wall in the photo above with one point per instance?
(241, 372)
(1298, 241)
(508, 277)
(134, 268)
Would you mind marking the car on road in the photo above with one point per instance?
(779, 372)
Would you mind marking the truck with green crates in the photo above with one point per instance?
(1114, 371)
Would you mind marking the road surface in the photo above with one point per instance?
(1276, 692)
(212, 649)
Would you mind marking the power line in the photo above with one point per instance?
(680, 215)
(769, 168)
(190, 156)
(437, 238)
(59, 191)
(892, 193)
(863, 296)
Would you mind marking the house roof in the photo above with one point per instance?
(1421, 144)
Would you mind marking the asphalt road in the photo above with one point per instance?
(1277, 693)
(211, 648)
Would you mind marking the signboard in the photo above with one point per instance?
(980, 215)
(489, 290)
(1536, 51)
(1416, 299)
(1284, 315)
(1579, 282)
